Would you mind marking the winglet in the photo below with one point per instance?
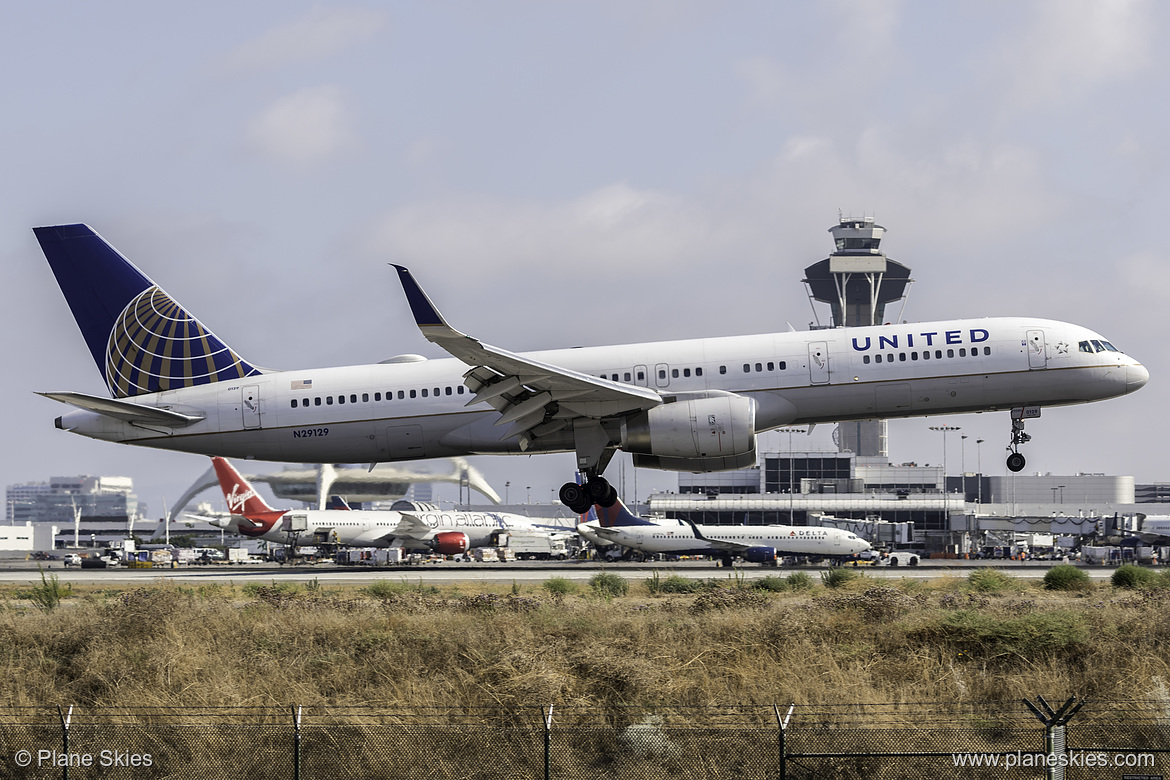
(425, 313)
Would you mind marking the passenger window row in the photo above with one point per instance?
(769, 366)
(925, 355)
(352, 398)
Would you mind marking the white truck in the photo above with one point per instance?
(537, 546)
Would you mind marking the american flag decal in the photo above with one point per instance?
(302, 384)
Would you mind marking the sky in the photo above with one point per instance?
(575, 173)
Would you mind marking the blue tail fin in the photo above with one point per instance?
(140, 338)
(607, 517)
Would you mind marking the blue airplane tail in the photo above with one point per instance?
(142, 340)
(618, 514)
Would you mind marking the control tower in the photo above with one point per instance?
(858, 281)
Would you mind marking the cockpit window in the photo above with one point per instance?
(1097, 345)
(1110, 347)
(1086, 347)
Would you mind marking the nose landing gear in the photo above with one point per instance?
(1016, 461)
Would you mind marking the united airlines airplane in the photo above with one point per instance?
(692, 405)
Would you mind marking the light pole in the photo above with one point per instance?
(506, 486)
(979, 465)
(963, 462)
(945, 430)
(791, 468)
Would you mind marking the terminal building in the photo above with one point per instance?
(88, 510)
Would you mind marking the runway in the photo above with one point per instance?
(25, 572)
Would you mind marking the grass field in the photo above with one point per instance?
(663, 641)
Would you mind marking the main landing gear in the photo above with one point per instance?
(596, 490)
(1016, 461)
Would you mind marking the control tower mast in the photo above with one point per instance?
(858, 281)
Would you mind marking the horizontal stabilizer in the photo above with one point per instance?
(127, 411)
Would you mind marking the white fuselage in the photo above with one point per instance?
(681, 538)
(390, 528)
(411, 410)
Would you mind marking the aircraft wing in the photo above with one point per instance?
(537, 398)
(127, 411)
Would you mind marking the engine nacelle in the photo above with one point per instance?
(450, 543)
(713, 432)
(760, 555)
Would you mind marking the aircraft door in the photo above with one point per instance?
(1037, 353)
(662, 375)
(818, 362)
(405, 442)
(640, 377)
(250, 406)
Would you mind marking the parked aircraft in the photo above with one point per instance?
(690, 405)
(1154, 529)
(755, 543)
(315, 485)
(409, 524)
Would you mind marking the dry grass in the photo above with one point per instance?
(867, 641)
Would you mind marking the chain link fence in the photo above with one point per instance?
(885, 742)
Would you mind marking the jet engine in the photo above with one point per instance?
(760, 555)
(715, 431)
(450, 543)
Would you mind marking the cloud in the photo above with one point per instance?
(617, 228)
(317, 35)
(303, 128)
(1075, 45)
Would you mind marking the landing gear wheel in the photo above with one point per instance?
(610, 499)
(599, 490)
(574, 497)
(1015, 462)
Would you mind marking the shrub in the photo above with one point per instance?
(836, 577)
(385, 590)
(880, 602)
(771, 583)
(560, 586)
(675, 583)
(991, 580)
(800, 580)
(978, 634)
(728, 598)
(1066, 577)
(1130, 576)
(48, 594)
(609, 585)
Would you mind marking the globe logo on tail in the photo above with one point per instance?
(156, 345)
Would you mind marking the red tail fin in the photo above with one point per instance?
(241, 497)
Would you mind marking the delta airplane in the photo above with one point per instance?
(691, 405)
(411, 525)
(755, 543)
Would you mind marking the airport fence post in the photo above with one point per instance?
(1054, 730)
(548, 744)
(65, 717)
(296, 713)
(782, 723)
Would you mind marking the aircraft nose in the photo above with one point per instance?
(1136, 377)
